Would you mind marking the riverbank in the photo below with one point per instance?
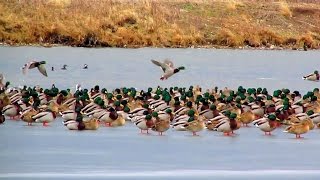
(240, 24)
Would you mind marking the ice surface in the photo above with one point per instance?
(55, 152)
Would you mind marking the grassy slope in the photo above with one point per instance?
(161, 23)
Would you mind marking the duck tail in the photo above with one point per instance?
(287, 129)
(256, 122)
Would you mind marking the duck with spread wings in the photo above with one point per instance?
(168, 68)
(33, 64)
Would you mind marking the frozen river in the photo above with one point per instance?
(122, 153)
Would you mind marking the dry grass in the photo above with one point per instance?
(161, 23)
(284, 9)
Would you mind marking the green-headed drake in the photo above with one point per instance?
(228, 126)
(266, 124)
(168, 68)
(312, 77)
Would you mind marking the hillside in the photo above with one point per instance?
(161, 23)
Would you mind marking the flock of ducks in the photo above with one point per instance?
(180, 108)
(159, 109)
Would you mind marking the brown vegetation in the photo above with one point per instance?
(161, 23)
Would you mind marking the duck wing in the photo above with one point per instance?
(163, 66)
(42, 69)
(169, 63)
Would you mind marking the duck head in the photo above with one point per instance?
(178, 69)
(149, 120)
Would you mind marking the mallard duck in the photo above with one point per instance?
(247, 117)
(166, 115)
(26, 116)
(44, 117)
(64, 67)
(257, 110)
(160, 125)
(75, 123)
(71, 124)
(109, 116)
(68, 115)
(195, 125)
(90, 123)
(315, 118)
(228, 126)
(120, 121)
(124, 112)
(33, 64)
(168, 68)
(145, 123)
(137, 112)
(11, 110)
(179, 121)
(266, 124)
(312, 77)
(210, 113)
(211, 123)
(298, 129)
